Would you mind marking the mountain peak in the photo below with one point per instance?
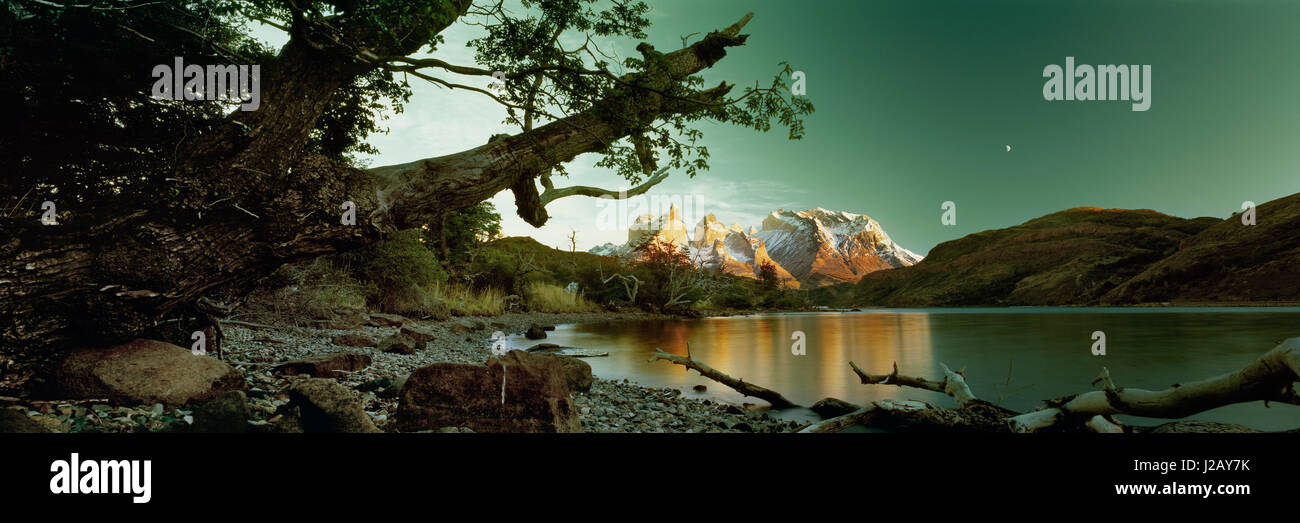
(813, 247)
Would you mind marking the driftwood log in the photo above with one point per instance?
(748, 389)
(1271, 378)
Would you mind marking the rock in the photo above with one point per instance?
(394, 388)
(325, 366)
(743, 427)
(325, 406)
(577, 373)
(398, 343)
(419, 335)
(468, 325)
(545, 347)
(353, 340)
(700, 388)
(143, 371)
(386, 320)
(225, 414)
(535, 332)
(16, 422)
(548, 327)
(832, 407)
(350, 321)
(536, 396)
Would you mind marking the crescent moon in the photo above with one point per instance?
(1008, 148)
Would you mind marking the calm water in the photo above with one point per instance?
(1046, 352)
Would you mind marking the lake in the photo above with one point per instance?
(1016, 356)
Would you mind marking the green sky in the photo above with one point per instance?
(917, 101)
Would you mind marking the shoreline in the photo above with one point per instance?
(610, 406)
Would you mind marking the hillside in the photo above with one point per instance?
(1075, 256)
(1228, 262)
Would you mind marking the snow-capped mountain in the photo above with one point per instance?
(809, 248)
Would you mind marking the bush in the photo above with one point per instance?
(399, 274)
(735, 296)
(320, 289)
(544, 297)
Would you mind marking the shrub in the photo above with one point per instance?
(320, 289)
(544, 297)
(399, 274)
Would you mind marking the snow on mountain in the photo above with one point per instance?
(823, 247)
(809, 248)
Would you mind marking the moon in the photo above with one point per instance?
(1008, 148)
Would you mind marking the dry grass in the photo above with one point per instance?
(465, 301)
(543, 297)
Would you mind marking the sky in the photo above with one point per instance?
(917, 102)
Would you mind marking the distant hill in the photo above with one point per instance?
(1076, 256)
(544, 257)
(1228, 262)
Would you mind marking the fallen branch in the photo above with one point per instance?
(953, 384)
(1272, 377)
(748, 389)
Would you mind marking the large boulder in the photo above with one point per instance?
(325, 406)
(535, 397)
(324, 366)
(577, 373)
(143, 371)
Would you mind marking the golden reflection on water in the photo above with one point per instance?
(759, 350)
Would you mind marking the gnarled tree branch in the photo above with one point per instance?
(1272, 377)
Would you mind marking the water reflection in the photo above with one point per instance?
(1016, 356)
